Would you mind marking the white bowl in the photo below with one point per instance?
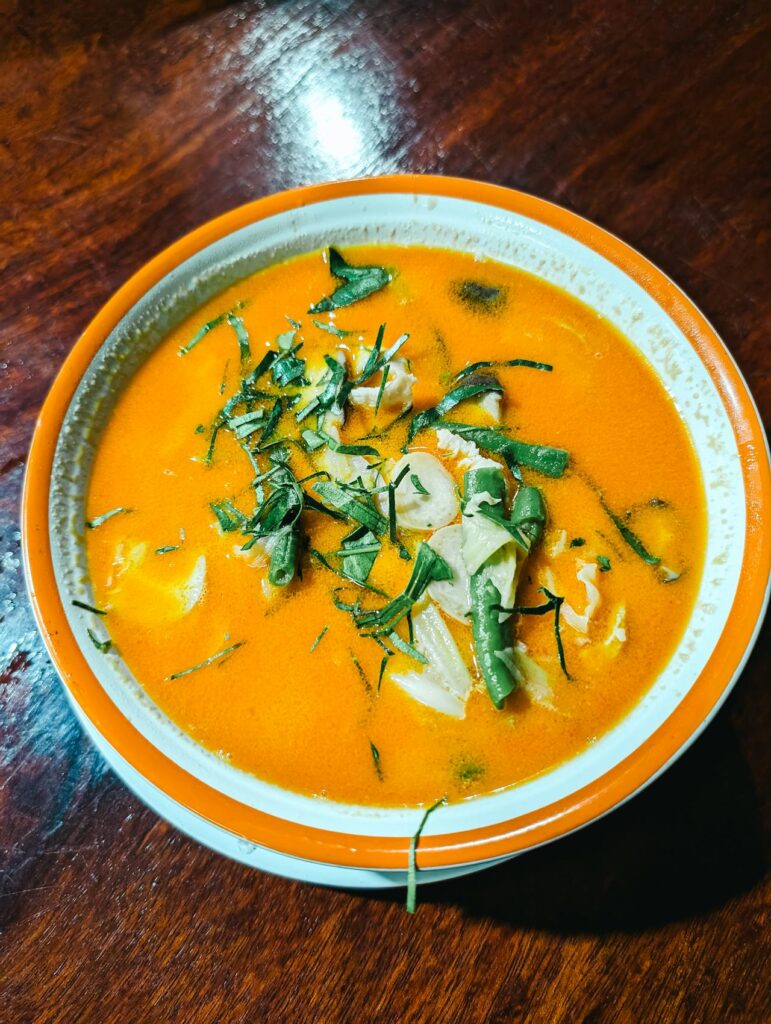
(487, 221)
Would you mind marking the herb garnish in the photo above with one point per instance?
(557, 603)
(429, 566)
(241, 336)
(358, 554)
(166, 549)
(604, 563)
(208, 661)
(407, 648)
(91, 524)
(358, 283)
(486, 364)
(416, 483)
(412, 881)
(311, 503)
(383, 663)
(542, 458)
(577, 542)
(333, 494)
(203, 331)
(631, 538)
(88, 607)
(478, 384)
(553, 603)
(381, 390)
(322, 560)
(331, 328)
(374, 435)
(342, 449)
(376, 760)
(392, 513)
(360, 670)
(228, 516)
(287, 367)
(101, 645)
(318, 639)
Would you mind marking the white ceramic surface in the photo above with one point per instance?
(252, 855)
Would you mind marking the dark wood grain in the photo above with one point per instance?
(123, 125)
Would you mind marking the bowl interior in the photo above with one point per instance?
(485, 231)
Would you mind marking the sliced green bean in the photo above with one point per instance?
(528, 514)
(489, 633)
(283, 559)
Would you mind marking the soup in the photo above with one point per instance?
(394, 524)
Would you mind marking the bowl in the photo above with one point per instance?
(319, 839)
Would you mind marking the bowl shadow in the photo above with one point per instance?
(685, 845)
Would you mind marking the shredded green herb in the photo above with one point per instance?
(92, 524)
(208, 661)
(429, 566)
(383, 664)
(553, 603)
(358, 283)
(311, 503)
(319, 638)
(333, 329)
(416, 483)
(549, 461)
(487, 364)
(604, 563)
(88, 607)
(381, 390)
(166, 549)
(358, 554)
(478, 384)
(288, 368)
(322, 560)
(333, 494)
(412, 867)
(631, 538)
(228, 516)
(376, 760)
(203, 331)
(392, 513)
(241, 336)
(407, 648)
(375, 435)
(345, 449)
(361, 672)
(577, 542)
(101, 645)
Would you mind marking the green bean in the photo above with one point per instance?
(543, 458)
(283, 559)
(528, 514)
(489, 637)
(489, 633)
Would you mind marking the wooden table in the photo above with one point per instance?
(123, 125)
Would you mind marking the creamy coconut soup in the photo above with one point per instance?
(388, 524)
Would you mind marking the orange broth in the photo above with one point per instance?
(303, 719)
